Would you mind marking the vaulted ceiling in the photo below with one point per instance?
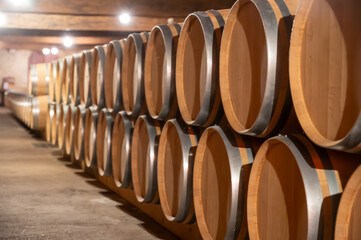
(34, 24)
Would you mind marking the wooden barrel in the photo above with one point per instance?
(220, 187)
(84, 78)
(58, 80)
(38, 82)
(29, 115)
(68, 70)
(69, 130)
(52, 81)
(104, 142)
(121, 149)
(97, 76)
(294, 189)
(62, 125)
(74, 80)
(113, 76)
(159, 71)
(349, 211)
(90, 132)
(49, 119)
(254, 78)
(133, 74)
(39, 112)
(144, 159)
(176, 151)
(197, 84)
(54, 125)
(324, 72)
(79, 132)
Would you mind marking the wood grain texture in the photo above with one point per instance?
(295, 189)
(325, 53)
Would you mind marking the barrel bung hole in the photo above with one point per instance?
(281, 199)
(194, 66)
(246, 65)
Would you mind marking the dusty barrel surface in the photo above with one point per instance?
(144, 158)
(349, 211)
(104, 142)
(121, 149)
(84, 78)
(113, 76)
(220, 187)
(133, 74)
(294, 189)
(90, 138)
(49, 119)
(68, 70)
(54, 124)
(38, 82)
(325, 78)
(176, 151)
(58, 80)
(197, 80)
(69, 130)
(254, 79)
(74, 81)
(52, 81)
(79, 132)
(159, 71)
(62, 125)
(97, 76)
(39, 114)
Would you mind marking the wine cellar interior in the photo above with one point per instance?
(187, 119)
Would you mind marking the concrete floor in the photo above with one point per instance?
(42, 196)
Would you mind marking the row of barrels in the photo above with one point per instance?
(261, 64)
(282, 188)
(31, 110)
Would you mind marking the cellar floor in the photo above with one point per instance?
(43, 196)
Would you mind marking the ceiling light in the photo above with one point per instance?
(68, 41)
(2, 19)
(46, 51)
(54, 51)
(124, 18)
(20, 3)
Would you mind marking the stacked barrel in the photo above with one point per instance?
(245, 121)
(32, 108)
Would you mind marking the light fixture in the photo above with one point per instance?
(20, 3)
(2, 19)
(54, 50)
(124, 18)
(67, 41)
(46, 51)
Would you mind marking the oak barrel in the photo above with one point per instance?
(349, 211)
(90, 131)
(294, 189)
(97, 76)
(144, 158)
(62, 125)
(254, 79)
(74, 80)
(84, 78)
(69, 130)
(58, 80)
(79, 132)
(221, 172)
(113, 76)
(49, 119)
(324, 72)
(104, 142)
(176, 150)
(133, 74)
(68, 69)
(197, 80)
(39, 109)
(121, 149)
(52, 81)
(54, 125)
(159, 71)
(38, 82)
